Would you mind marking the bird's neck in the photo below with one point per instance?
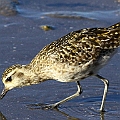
(31, 77)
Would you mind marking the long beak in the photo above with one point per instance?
(3, 93)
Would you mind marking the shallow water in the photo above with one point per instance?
(21, 38)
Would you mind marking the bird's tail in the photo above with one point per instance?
(115, 26)
(111, 37)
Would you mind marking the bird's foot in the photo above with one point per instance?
(50, 106)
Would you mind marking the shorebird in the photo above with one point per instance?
(71, 58)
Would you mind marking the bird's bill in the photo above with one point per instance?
(3, 93)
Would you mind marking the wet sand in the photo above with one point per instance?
(21, 38)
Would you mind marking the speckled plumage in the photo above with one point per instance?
(77, 49)
(73, 57)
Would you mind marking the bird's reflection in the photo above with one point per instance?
(2, 117)
(102, 115)
(73, 118)
(66, 115)
(69, 117)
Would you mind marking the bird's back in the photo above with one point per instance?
(79, 53)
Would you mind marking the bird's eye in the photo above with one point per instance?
(9, 79)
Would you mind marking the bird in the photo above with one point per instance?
(71, 58)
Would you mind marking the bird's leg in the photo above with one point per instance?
(106, 83)
(55, 105)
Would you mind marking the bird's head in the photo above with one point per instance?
(14, 76)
